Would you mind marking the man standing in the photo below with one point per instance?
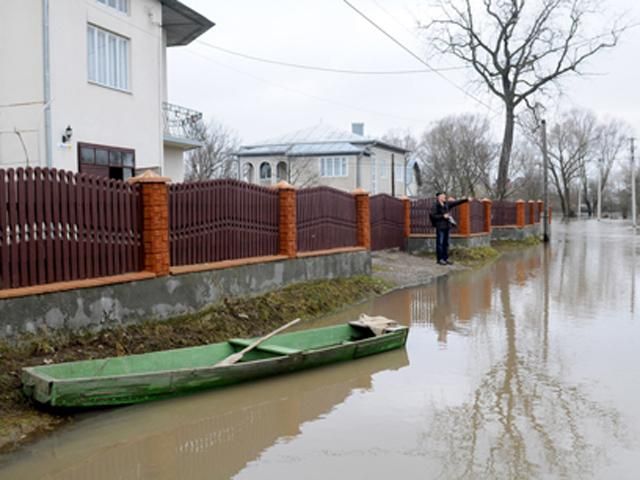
(442, 221)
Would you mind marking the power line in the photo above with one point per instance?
(305, 94)
(322, 69)
(417, 57)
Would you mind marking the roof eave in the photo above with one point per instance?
(194, 23)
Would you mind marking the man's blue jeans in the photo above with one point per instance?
(442, 244)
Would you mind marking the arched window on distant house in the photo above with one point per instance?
(281, 170)
(265, 172)
(249, 173)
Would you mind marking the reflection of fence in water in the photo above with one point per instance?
(221, 445)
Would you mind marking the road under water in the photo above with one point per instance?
(527, 368)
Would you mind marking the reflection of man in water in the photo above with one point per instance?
(442, 310)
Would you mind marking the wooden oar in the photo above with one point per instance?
(236, 357)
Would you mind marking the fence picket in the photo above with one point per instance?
(5, 280)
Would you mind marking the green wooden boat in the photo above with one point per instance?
(151, 376)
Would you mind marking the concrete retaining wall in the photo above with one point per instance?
(426, 244)
(169, 296)
(515, 233)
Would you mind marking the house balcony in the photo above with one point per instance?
(179, 126)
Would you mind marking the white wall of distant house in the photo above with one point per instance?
(97, 114)
(375, 171)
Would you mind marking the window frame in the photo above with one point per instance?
(109, 149)
(117, 5)
(334, 167)
(108, 65)
(263, 178)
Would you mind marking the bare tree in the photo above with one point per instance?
(610, 140)
(571, 142)
(401, 138)
(216, 157)
(518, 49)
(303, 171)
(456, 155)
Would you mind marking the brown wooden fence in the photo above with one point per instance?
(326, 218)
(503, 213)
(477, 216)
(420, 223)
(387, 222)
(221, 220)
(530, 214)
(59, 226)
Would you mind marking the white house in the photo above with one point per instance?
(84, 88)
(323, 155)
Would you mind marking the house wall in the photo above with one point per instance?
(305, 171)
(96, 114)
(173, 164)
(21, 82)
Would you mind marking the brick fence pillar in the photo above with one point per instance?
(406, 205)
(486, 203)
(540, 210)
(464, 227)
(520, 220)
(287, 239)
(155, 221)
(532, 212)
(363, 218)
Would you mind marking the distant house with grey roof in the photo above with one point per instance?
(323, 155)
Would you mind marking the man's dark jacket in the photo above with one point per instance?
(438, 211)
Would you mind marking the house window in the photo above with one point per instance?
(333, 167)
(107, 58)
(384, 170)
(265, 171)
(112, 162)
(120, 5)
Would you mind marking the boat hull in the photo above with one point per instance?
(140, 387)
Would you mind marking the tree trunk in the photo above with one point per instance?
(505, 152)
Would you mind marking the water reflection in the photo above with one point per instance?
(523, 420)
(215, 438)
(524, 369)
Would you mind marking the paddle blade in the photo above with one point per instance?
(230, 360)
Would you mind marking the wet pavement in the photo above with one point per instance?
(528, 368)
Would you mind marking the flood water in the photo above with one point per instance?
(528, 368)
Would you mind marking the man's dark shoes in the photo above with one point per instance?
(442, 262)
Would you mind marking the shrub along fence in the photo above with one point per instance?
(58, 226)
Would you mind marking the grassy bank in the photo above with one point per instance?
(478, 256)
(232, 318)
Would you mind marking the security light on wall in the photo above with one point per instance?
(66, 136)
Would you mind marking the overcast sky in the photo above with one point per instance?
(260, 101)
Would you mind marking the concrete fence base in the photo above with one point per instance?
(417, 244)
(515, 233)
(168, 296)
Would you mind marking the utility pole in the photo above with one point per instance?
(545, 186)
(599, 188)
(393, 175)
(633, 184)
